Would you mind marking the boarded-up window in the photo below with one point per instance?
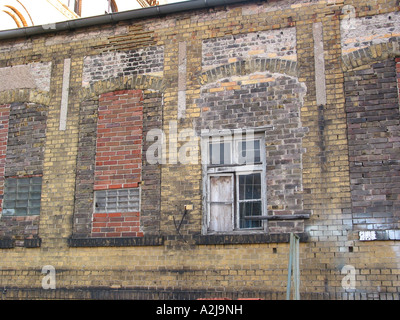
(221, 203)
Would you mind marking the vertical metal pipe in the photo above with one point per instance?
(289, 278)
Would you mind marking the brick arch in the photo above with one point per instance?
(25, 95)
(373, 53)
(133, 82)
(246, 67)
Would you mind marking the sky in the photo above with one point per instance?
(42, 12)
(127, 4)
(93, 7)
(96, 7)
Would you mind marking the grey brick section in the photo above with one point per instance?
(24, 157)
(362, 32)
(274, 103)
(267, 44)
(116, 64)
(26, 139)
(373, 119)
(84, 194)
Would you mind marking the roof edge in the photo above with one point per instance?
(115, 17)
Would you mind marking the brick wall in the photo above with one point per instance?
(313, 162)
(372, 106)
(118, 158)
(4, 113)
(133, 62)
(26, 138)
(119, 140)
(111, 153)
(23, 137)
(265, 100)
(267, 44)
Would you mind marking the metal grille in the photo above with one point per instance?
(117, 200)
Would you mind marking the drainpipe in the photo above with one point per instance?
(148, 12)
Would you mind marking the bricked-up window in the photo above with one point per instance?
(235, 184)
(22, 196)
(118, 165)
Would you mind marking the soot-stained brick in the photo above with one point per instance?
(372, 107)
(271, 100)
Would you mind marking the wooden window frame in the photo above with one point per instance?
(234, 169)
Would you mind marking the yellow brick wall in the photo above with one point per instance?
(180, 268)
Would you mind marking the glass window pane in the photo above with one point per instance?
(250, 186)
(34, 211)
(11, 182)
(117, 200)
(34, 203)
(249, 151)
(22, 196)
(21, 211)
(8, 212)
(249, 209)
(8, 204)
(36, 181)
(22, 182)
(35, 188)
(21, 204)
(220, 153)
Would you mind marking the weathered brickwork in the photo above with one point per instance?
(26, 138)
(373, 127)
(264, 100)
(5, 114)
(331, 152)
(24, 133)
(116, 64)
(110, 156)
(358, 33)
(268, 44)
(33, 75)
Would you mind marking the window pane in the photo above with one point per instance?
(249, 151)
(220, 153)
(249, 209)
(117, 200)
(22, 196)
(250, 186)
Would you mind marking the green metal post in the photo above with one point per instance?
(294, 264)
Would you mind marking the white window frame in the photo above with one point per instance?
(235, 170)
